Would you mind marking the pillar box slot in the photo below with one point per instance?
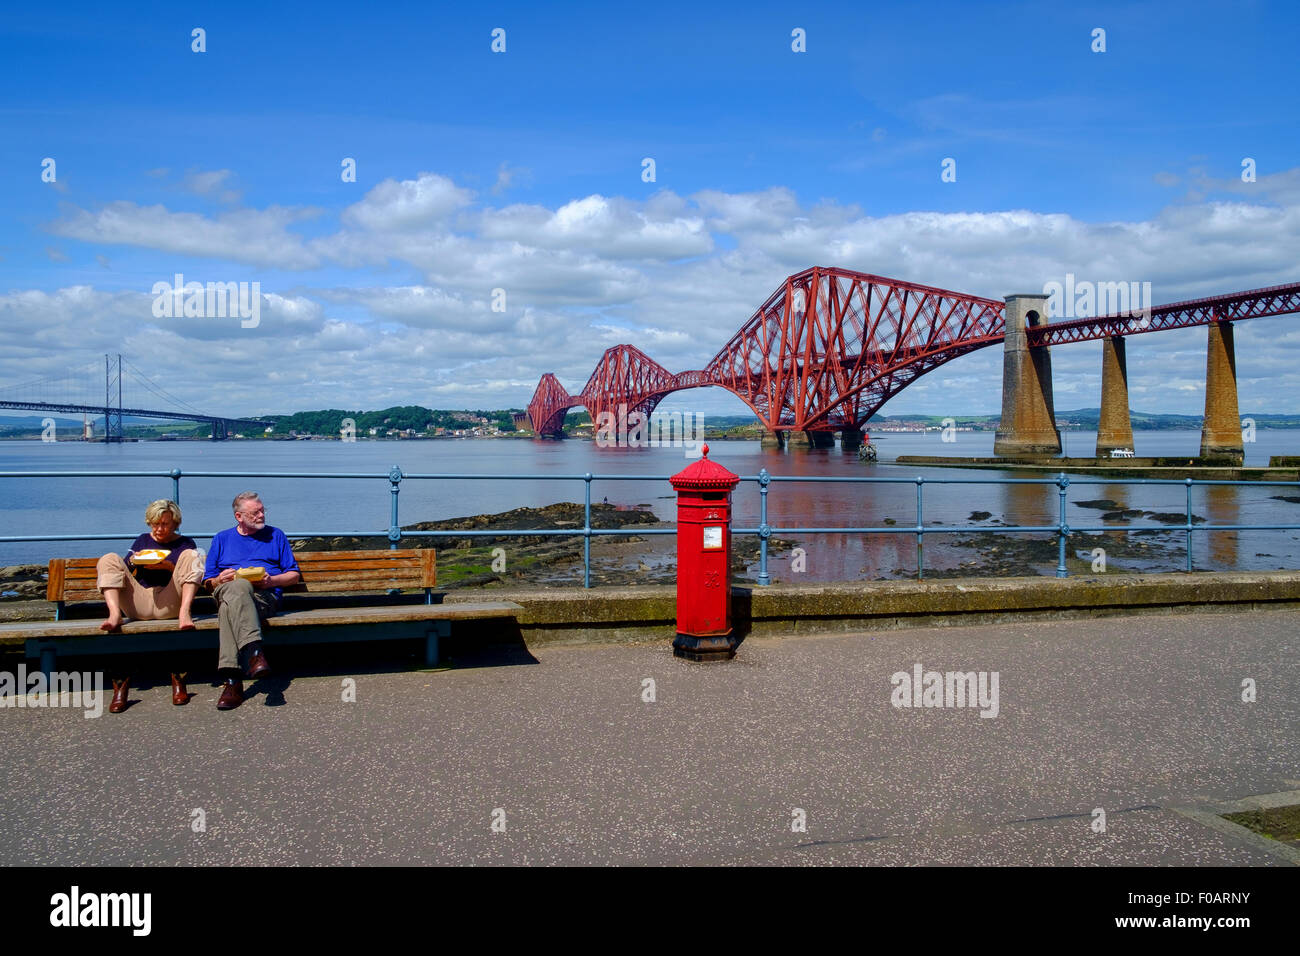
(704, 561)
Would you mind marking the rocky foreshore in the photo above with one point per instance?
(471, 561)
(22, 582)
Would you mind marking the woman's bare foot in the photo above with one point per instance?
(186, 623)
(112, 624)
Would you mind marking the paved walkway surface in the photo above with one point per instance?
(1140, 716)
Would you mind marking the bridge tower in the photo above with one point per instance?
(112, 414)
(1028, 425)
(1115, 428)
(1221, 433)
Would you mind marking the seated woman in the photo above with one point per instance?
(155, 591)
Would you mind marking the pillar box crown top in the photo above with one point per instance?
(704, 475)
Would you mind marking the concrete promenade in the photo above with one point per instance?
(1140, 716)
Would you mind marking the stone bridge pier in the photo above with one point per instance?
(1221, 433)
(1115, 429)
(791, 438)
(1028, 425)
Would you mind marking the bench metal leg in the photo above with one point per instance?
(440, 629)
(47, 662)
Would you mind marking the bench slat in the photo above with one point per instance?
(353, 564)
(315, 588)
(54, 589)
(400, 554)
(312, 576)
(80, 575)
(408, 556)
(412, 571)
(19, 631)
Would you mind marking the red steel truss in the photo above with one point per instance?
(830, 346)
(551, 402)
(1256, 304)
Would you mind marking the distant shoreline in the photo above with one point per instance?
(720, 434)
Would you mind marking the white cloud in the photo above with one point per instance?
(510, 176)
(406, 305)
(424, 201)
(613, 228)
(212, 184)
(427, 307)
(260, 237)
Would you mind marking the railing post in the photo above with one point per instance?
(394, 529)
(764, 529)
(920, 531)
(176, 485)
(586, 534)
(1063, 480)
(1189, 525)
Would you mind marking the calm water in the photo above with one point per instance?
(104, 505)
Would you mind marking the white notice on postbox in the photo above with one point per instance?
(713, 536)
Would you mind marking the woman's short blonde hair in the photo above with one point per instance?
(162, 507)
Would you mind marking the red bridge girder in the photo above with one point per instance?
(626, 380)
(824, 351)
(1256, 304)
(830, 346)
(548, 407)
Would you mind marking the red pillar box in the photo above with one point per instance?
(704, 561)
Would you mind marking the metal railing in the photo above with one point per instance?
(395, 534)
(1063, 529)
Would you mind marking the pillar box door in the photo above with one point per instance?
(704, 561)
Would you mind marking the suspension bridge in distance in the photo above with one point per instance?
(127, 392)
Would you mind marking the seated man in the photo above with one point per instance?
(243, 602)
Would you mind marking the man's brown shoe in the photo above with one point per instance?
(232, 695)
(257, 665)
(120, 689)
(180, 696)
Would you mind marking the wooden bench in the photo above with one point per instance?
(333, 573)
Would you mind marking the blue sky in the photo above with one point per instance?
(522, 170)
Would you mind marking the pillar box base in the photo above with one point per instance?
(714, 647)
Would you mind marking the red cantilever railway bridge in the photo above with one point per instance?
(830, 346)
